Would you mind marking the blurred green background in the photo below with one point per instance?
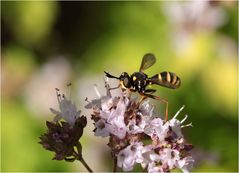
(49, 44)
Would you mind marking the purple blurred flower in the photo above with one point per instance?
(195, 15)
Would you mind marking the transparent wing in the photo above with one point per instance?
(147, 61)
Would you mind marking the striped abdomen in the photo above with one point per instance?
(167, 79)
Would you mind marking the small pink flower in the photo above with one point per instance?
(129, 123)
(156, 129)
(127, 157)
(102, 128)
(185, 164)
(169, 157)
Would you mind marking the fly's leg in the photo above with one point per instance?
(150, 91)
(143, 96)
(114, 87)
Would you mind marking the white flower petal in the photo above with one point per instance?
(119, 111)
(156, 129)
(127, 157)
(68, 110)
(55, 111)
(102, 128)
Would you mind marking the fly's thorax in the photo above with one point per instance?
(139, 81)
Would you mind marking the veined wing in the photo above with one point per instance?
(147, 61)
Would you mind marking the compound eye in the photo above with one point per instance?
(126, 82)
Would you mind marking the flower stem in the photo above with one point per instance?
(85, 164)
(115, 165)
(80, 158)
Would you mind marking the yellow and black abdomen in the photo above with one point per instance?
(166, 79)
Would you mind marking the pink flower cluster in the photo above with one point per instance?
(138, 136)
